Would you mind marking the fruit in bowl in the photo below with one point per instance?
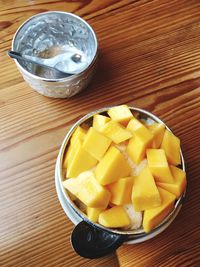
(123, 169)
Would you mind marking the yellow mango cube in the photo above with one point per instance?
(154, 217)
(93, 214)
(71, 151)
(75, 142)
(114, 217)
(79, 134)
(112, 167)
(86, 188)
(73, 184)
(120, 114)
(95, 143)
(136, 149)
(171, 145)
(157, 129)
(67, 156)
(121, 191)
(116, 132)
(145, 194)
(179, 185)
(80, 161)
(139, 130)
(141, 139)
(99, 121)
(158, 165)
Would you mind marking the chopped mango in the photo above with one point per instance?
(80, 162)
(75, 142)
(116, 132)
(157, 130)
(86, 188)
(139, 130)
(145, 194)
(139, 142)
(179, 185)
(71, 151)
(95, 143)
(114, 217)
(99, 121)
(67, 156)
(158, 165)
(112, 167)
(154, 217)
(93, 214)
(79, 134)
(136, 149)
(121, 191)
(171, 145)
(120, 114)
(100, 159)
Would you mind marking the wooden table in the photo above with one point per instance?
(149, 58)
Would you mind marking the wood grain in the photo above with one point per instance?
(149, 58)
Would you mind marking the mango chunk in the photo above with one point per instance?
(112, 167)
(67, 156)
(136, 149)
(145, 194)
(154, 217)
(158, 165)
(121, 191)
(71, 151)
(80, 162)
(120, 114)
(141, 139)
(139, 130)
(99, 121)
(79, 134)
(179, 185)
(93, 214)
(75, 142)
(114, 217)
(95, 143)
(171, 145)
(157, 129)
(116, 132)
(86, 188)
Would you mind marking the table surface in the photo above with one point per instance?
(149, 58)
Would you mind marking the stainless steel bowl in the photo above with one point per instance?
(135, 236)
(49, 34)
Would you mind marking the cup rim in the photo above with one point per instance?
(136, 233)
(64, 79)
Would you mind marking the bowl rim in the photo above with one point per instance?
(64, 79)
(136, 233)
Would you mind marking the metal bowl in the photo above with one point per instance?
(51, 33)
(137, 235)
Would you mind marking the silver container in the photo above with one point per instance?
(135, 236)
(49, 34)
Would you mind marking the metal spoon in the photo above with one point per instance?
(91, 242)
(39, 61)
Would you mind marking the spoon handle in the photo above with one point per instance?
(17, 55)
(92, 242)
